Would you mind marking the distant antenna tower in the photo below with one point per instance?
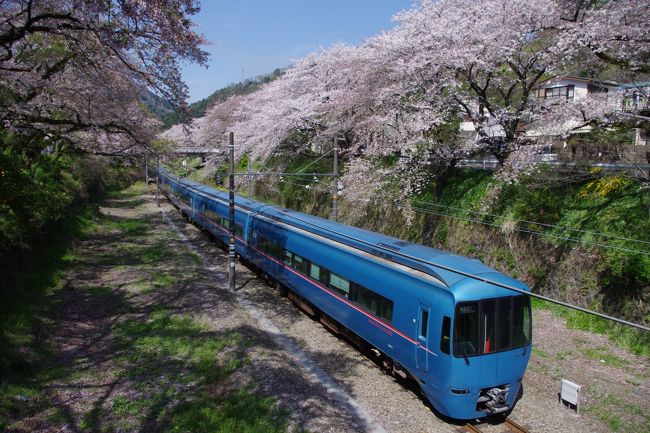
(242, 74)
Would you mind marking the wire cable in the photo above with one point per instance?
(536, 223)
(535, 232)
(315, 161)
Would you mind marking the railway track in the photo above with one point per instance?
(512, 427)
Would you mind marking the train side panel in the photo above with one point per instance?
(399, 338)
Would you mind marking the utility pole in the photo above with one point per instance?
(158, 179)
(231, 218)
(250, 178)
(335, 183)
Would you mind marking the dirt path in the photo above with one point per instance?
(145, 337)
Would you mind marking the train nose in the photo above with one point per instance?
(489, 375)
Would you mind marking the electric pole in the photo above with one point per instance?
(231, 219)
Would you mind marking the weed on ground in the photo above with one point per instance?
(111, 342)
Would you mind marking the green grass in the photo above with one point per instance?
(238, 412)
(134, 190)
(602, 354)
(136, 253)
(130, 226)
(173, 358)
(539, 352)
(637, 342)
(23, 315)
(175, 373)
(619, 415)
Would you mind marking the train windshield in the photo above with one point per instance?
(491, 325)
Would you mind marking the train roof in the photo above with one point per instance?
(456, 272)
(429, 260)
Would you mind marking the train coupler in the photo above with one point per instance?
(493, 400)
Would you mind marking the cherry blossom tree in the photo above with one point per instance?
(482, 58)
(74, 68)
(447, 66)
(616, 32)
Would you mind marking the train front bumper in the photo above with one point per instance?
(472, 404)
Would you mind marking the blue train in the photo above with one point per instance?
(427, 314)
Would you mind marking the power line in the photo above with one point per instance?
(535, 222)
(476, 277)
(315, 161)
(535, 232)
(517, 229)
(496, 283)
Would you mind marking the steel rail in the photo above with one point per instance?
(515, 426)
(468, 428)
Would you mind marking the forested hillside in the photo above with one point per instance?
(198, 109)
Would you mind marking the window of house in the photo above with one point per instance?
(567, 92)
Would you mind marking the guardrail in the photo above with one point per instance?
(493, 164)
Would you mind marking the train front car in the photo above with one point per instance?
(488, 340)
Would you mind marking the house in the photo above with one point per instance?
(572, 87)
(629, 99)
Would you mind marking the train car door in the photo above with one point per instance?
(422, 349)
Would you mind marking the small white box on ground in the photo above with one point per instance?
(570, 393)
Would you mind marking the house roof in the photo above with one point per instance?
(579, 79)
(635, 85)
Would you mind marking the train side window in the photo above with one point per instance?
(339, 283)
(286, 257)
(271, 248)
(301, 264)
(324, 276)
(385, 310)
(315, 272)
(444, 337)
(371, 301)
(275, 250)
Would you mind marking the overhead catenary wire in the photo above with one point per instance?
(479, 278)
(535, 223)
(517, 229)
(315, 161)
(521, 229)
(535, 232)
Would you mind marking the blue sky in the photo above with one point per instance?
(261, 35)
